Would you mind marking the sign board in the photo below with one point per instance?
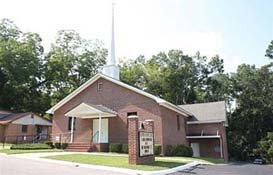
(146, 143)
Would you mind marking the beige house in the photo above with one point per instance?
(23, 127)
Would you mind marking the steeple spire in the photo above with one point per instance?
(113, 56)
(111, 68)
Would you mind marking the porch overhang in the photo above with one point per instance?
(86, 111)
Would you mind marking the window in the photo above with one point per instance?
(130, 114)
(100, 86)
(178, 122)
(24, 128)
(69, 124)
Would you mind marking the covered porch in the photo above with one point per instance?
(206, 145)
(96, 121)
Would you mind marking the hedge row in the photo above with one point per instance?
(57, 145)
(179, 150)
(118, 148)
(46, 145)
(31, 146)
(123, 148)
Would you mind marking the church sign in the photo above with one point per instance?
(146, 143)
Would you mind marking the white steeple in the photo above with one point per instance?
(111, 68)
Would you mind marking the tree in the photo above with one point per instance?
(70, 62)
(179, 78)
(21, 57)
(269, 50)
(252, 118)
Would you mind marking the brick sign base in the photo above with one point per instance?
(133, 140)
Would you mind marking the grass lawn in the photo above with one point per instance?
(7, 146)
(161, 163)
(20, 151)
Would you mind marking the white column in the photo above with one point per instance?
(72, 130)
(99, 128)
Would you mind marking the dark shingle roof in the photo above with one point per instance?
(213, 111)
(9, 117)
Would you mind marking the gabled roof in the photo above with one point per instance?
(8, 117)
(158, 100)
(86, 110)
(207, 112)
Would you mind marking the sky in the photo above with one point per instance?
(239, 31)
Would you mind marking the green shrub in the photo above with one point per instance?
(157, 149)
(124, 148)
(179, 150)
(64, 145)
(270, 153)
(115, 147)
(270, 136)
(59, 145)
(31, 146)
(49, 143)
(170, 150)
(183, 150)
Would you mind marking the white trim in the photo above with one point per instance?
(203, 137)
(133, 116)
(72, 129)
(221, 148)
(84, 110)
(204, 122)
(160, 101)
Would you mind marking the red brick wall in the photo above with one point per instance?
(2, 132)
(171, 134)
(15, 130)
(122, 101)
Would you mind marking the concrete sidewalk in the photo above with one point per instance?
(38, 157)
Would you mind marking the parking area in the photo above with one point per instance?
(229, 169)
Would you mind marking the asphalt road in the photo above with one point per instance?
(230, 169)
(18, 166)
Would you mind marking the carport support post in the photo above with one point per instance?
(221, 147)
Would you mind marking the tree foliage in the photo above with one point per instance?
(70, 62)
(179, 78)
(21, 57)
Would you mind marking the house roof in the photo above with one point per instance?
(158, 100)
(207, 112)
(8, 117)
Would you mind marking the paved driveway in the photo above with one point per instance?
(230, 169)
(10, 165)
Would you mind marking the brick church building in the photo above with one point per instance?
(96, 114)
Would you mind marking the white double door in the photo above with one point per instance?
(102, 135)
